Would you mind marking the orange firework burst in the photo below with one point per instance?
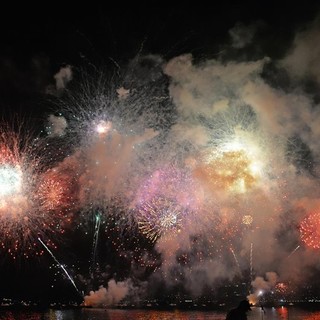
(227, 171)
(51, 193)
(281, 287)
(55, 190)
(235, 164)
(310, 230)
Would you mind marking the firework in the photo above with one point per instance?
(185, 184)
(20, 217)
(51, 193)
(310, 230)
(159, 216)
(57, 189)
(281, 288)
(235, 165)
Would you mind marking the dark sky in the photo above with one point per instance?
(37, 40)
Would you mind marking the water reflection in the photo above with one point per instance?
(164, 315)
(283, 313)
(14, 315)
(313, 316)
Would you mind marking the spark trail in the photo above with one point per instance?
(60, 265)
(293, 251)
(236, 259)
(95, 241)
(251, 262)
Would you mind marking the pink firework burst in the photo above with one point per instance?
(159, 216)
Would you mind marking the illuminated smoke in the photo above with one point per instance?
(56, 126)
(63, 77)
(262, 286)
(208, 159)
(110, 296)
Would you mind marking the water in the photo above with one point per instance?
(290, 313)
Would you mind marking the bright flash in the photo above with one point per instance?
(10, 179)
(247, 219)
(249, 148)
(233, 167)
(246, 152)
(103, 127)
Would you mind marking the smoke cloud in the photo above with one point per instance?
(106, 297)
(214, 162)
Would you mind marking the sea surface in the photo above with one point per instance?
(290, 313)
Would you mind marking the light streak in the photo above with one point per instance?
(236, 259)
(293, 251)
(95, 241)
(60, 265)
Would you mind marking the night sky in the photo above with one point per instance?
(190, 77)
(37, 41)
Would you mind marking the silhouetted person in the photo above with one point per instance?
(239, 313)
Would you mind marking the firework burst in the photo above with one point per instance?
(160, 216)
(57, 189)
(20, 217)
(235, 165)
(310, 230)
(195, 187)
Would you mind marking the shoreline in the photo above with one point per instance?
(42, 307)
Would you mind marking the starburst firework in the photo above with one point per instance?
(159, 216)
(20, 215)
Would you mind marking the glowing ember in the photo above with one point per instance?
(310, 230)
